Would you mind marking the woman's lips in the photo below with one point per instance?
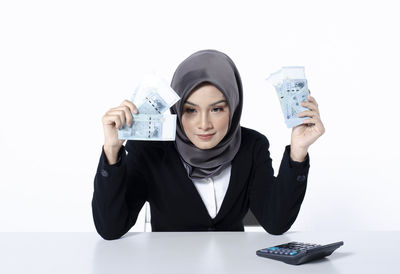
(205, 137)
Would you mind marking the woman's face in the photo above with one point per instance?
(205, 116)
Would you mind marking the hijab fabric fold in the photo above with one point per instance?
(218, 69)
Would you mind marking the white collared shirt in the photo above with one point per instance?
(212, 190)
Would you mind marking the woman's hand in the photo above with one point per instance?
(306, 133)
(113, 120)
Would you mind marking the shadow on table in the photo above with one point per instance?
(333, 257)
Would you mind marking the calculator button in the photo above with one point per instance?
(293, 253)
(273, 248)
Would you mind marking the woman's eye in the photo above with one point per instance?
(189, 110)
(218, 109)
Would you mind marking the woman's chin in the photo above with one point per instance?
(204, 145)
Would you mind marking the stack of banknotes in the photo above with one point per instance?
(291, 86)
(153, 97)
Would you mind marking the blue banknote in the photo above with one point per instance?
(154, 95)
(292, 89)
(153, 98)
(151, 127)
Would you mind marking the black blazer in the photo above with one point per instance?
(152, 171)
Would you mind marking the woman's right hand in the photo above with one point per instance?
(113, 120)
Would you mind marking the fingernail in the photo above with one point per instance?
(135, 111)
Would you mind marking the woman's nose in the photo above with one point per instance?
(205, 122)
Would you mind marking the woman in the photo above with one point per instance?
(214, 171)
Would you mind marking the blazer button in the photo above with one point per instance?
(301, 178)
(104, 173)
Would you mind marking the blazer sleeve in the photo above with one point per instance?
(276, 201)
(119, 193)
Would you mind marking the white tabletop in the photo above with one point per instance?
(187, 252)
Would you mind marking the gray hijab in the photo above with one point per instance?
(218, 69)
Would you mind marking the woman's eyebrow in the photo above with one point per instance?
(213, 104)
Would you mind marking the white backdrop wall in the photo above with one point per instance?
(63, 64)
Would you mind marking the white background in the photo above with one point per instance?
(63, 64)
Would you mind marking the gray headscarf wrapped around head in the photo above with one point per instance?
(219, 70)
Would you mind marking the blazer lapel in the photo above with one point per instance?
(194, 199)
(241, 167)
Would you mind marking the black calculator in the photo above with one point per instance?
(298, 252)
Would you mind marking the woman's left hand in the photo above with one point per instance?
(306, 133)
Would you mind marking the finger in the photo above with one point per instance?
(310, 105)
(131, 106)
(307, 113)
(120, 113)
(317, 123)
(309, 122)
(112, 120)
(127, 114)
(312, 100)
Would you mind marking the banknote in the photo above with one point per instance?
(154, 95)
(150, 127)
(153, 98)
(291, 87)
(152, 103)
